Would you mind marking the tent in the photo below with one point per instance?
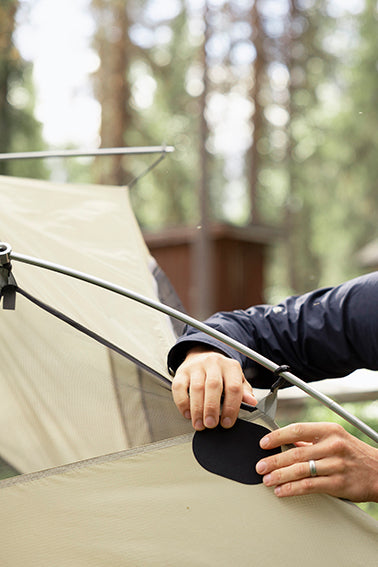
(110, 474)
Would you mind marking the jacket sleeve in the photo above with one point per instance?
(326, 333)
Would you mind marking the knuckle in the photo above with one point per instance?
(336, 445)
(234, 364)
(272, 464)
(287, 489)
(213, 357)
(196, 410)
(234, 387)
(212, 407)
(177, 385)
(277, 476)
(196, 386)
(298, 454)
(185, 366)
(213, 382)
(308, 484)
(303, 469)
(298, 430)
(336, 429)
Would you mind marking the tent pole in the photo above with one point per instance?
(322, 398)
(87, 153)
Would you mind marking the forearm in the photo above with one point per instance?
(323, 334)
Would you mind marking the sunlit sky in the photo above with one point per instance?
(56, 37)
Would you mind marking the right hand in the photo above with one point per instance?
(200, 382)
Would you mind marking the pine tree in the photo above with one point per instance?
(141, 85)
(19, 130)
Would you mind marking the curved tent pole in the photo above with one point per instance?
(273, 367)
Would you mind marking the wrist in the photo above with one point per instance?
(371, 462)
(375, 475)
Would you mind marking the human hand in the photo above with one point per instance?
(200, 382)
(345, 466)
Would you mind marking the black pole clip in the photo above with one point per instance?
(280, 380)
(8, 284)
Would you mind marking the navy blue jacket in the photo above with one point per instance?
(326, 333)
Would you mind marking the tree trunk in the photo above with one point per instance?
(202, 287)
(112, 88)
(257, 119)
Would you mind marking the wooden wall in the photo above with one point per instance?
(238, 264)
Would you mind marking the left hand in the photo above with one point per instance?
(345, 466)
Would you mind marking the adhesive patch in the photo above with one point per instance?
(232, 453)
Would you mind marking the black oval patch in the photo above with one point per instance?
(232, 453)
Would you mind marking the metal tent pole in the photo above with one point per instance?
(322, 398)
(87, 153)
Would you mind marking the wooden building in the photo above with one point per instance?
(238, 262)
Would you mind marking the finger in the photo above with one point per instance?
(180, 392)
(311, 485)
(293, 456)
(212, 397)
(297, 432)
(234, 389)
(299, 471)
(197, 396)
(248, 395)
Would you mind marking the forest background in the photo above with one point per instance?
(271, 106)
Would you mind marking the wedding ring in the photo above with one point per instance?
(312, 468)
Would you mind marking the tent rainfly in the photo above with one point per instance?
(109, 473)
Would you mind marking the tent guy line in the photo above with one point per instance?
(289, 376)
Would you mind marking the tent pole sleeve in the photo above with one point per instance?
(289, 376)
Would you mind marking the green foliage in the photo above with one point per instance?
(302, 152)
(19, 129)
(172, 117)
(330, 170)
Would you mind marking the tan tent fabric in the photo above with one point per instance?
(92, 229)
(156, 506)
(64, 397)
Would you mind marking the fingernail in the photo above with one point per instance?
(264, 442)
(277, 491)
(198, 425)
(261, 467)
(226, 422)
(187, 414)
(267, 479)
(210, 422)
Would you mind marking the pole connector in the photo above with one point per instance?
(8, 284)
(5, 252)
